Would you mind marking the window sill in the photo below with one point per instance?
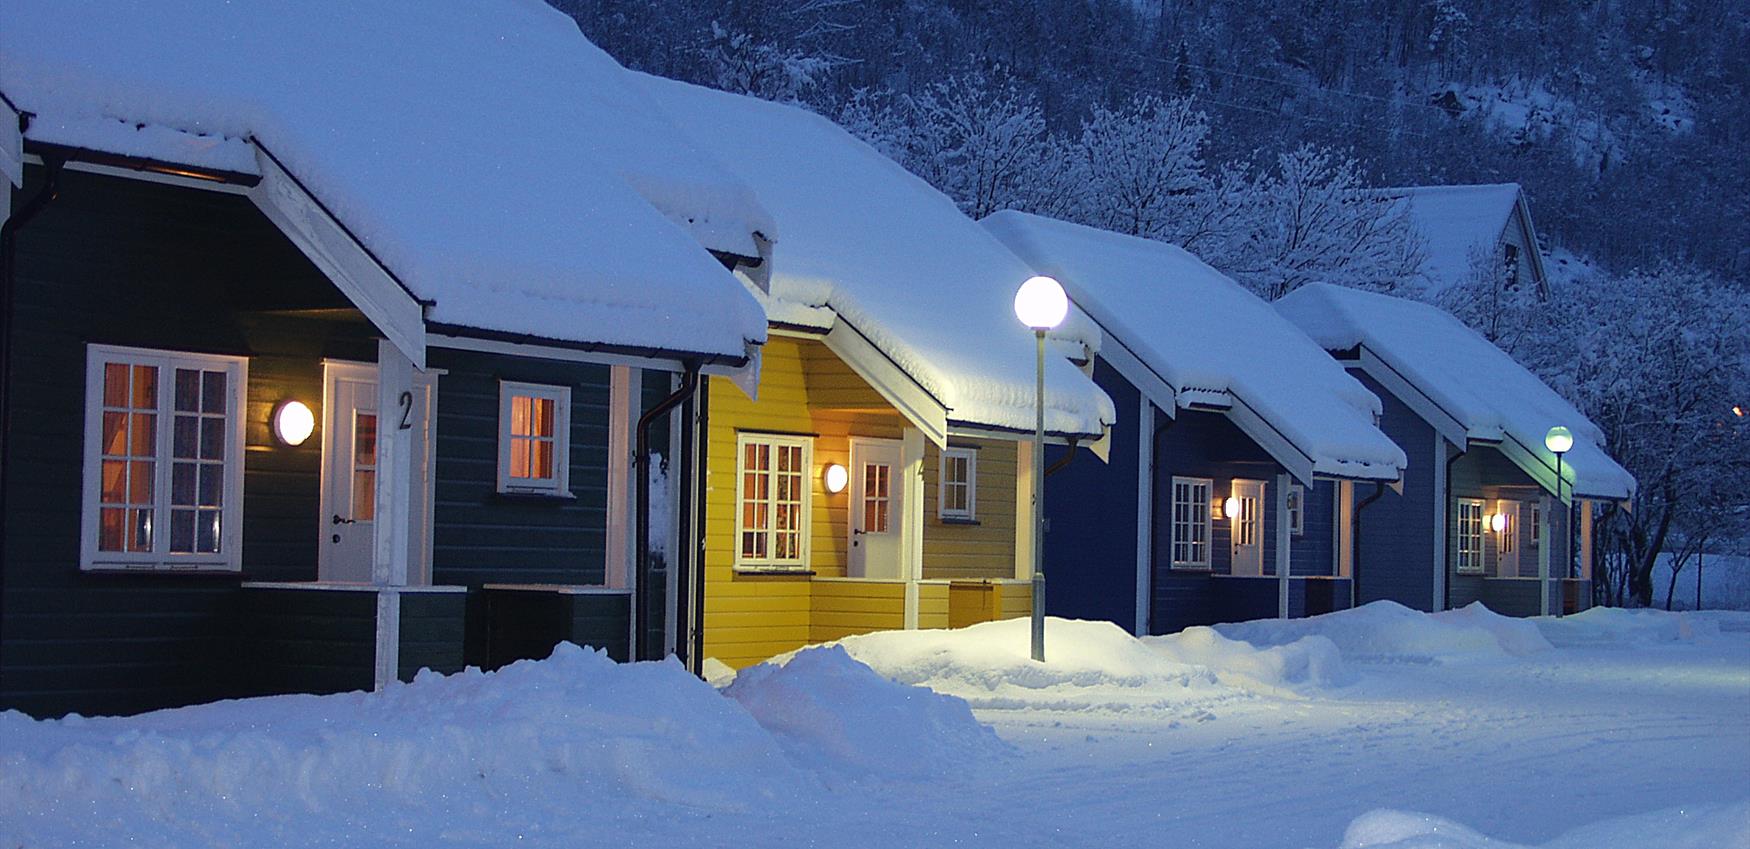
(774, 571)
(120, 569)
(534, 497)
(957, 520)
(1183, 568)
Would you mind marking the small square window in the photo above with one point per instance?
(957, 487)
(534, 438)
(1297, 510)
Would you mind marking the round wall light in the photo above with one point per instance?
(1498, 522)
(835, 477)
(1231, 507)
(293, 423)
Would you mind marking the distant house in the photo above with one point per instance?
(1482, 515)
(1474, 234)
(326, 354)
(879, 476)
(1238, 449)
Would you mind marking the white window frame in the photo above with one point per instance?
(229, 557)
(1296, 510)
(1469, 528)
(804, 544)
(560, 483)
(1197, 512)
(970, 514)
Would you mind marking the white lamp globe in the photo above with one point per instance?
(1231, 507)
(1559, 439)
(1040, 303)
(1498, 522)
(293, 423)
(836, 477)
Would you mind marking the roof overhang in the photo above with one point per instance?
(1397, 383)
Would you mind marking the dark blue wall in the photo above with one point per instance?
(1090, 547)
(1397, 544)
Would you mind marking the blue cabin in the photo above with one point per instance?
(1229, 490)
(1488, 512)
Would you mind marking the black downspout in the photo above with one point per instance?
(700, 470)
(1154, 501)
(641, 540)
(1355, 542)
(1446, 556)
(1063, 461)
(51, 189)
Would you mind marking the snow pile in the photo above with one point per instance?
(1090, 666)
(823, 705)
(494, 161)
(1209, 339)
(1388, 632)
(1490, 395)
(1309, 663)
(1704, 827)
(1614, 626)
(574, 730)
(883, 251)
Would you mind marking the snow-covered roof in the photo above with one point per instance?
(1456, 224)
(494, 161)
(1209, 339)
(866, 242)
(1484, 390)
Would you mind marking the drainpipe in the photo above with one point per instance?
(50, 189)
(1446, 556)
(1063, 461)
(1154, 505)
(1355, 542)
(699, 468)
(641, 540)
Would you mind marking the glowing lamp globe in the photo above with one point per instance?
(1040, 303)
(1498, 522)
(836, 478)
(293, 422)
(1559, 439)
(1231, 507)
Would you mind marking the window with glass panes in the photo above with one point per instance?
(772, 500)
(1470, 536)
(957, 489)
(164, 460)
(534, 438)
(1191, 522)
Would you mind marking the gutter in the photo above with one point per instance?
(1064, 461)
(641, 543)
(1446, 536)
(50, 190)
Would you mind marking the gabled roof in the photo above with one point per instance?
(495, 163)
(1457, 223)
(869, 247)
(1202, 339)
(1492, 397)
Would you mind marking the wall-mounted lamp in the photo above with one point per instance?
(1498, 522)
(1231, 507)
(835, 477)
(293, 423)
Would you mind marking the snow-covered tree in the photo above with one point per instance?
(1142, 166)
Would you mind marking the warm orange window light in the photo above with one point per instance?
(531, 438)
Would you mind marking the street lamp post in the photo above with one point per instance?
(1041, 305)
(1559, 440)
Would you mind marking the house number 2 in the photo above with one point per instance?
(406, 411)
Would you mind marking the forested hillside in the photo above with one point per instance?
(1626, 121)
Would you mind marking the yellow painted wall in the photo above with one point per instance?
(985, 549)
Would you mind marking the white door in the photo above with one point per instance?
(347, 525)
(1507, 541)
(1248, 528)
(877, 508)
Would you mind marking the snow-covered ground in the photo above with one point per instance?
(1373, 728)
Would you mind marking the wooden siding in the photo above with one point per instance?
(1398, 545)
(972, 602)
(986, 548)
(528, 624)
(1090, 507)
(127, 262)
(1484, 472)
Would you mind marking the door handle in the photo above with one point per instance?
(339, 521)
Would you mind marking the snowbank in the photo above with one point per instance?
(1677, 828)
(1388, 632)
(1090, 666)
(822, 704)
(572, 731)
(1604, 626)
